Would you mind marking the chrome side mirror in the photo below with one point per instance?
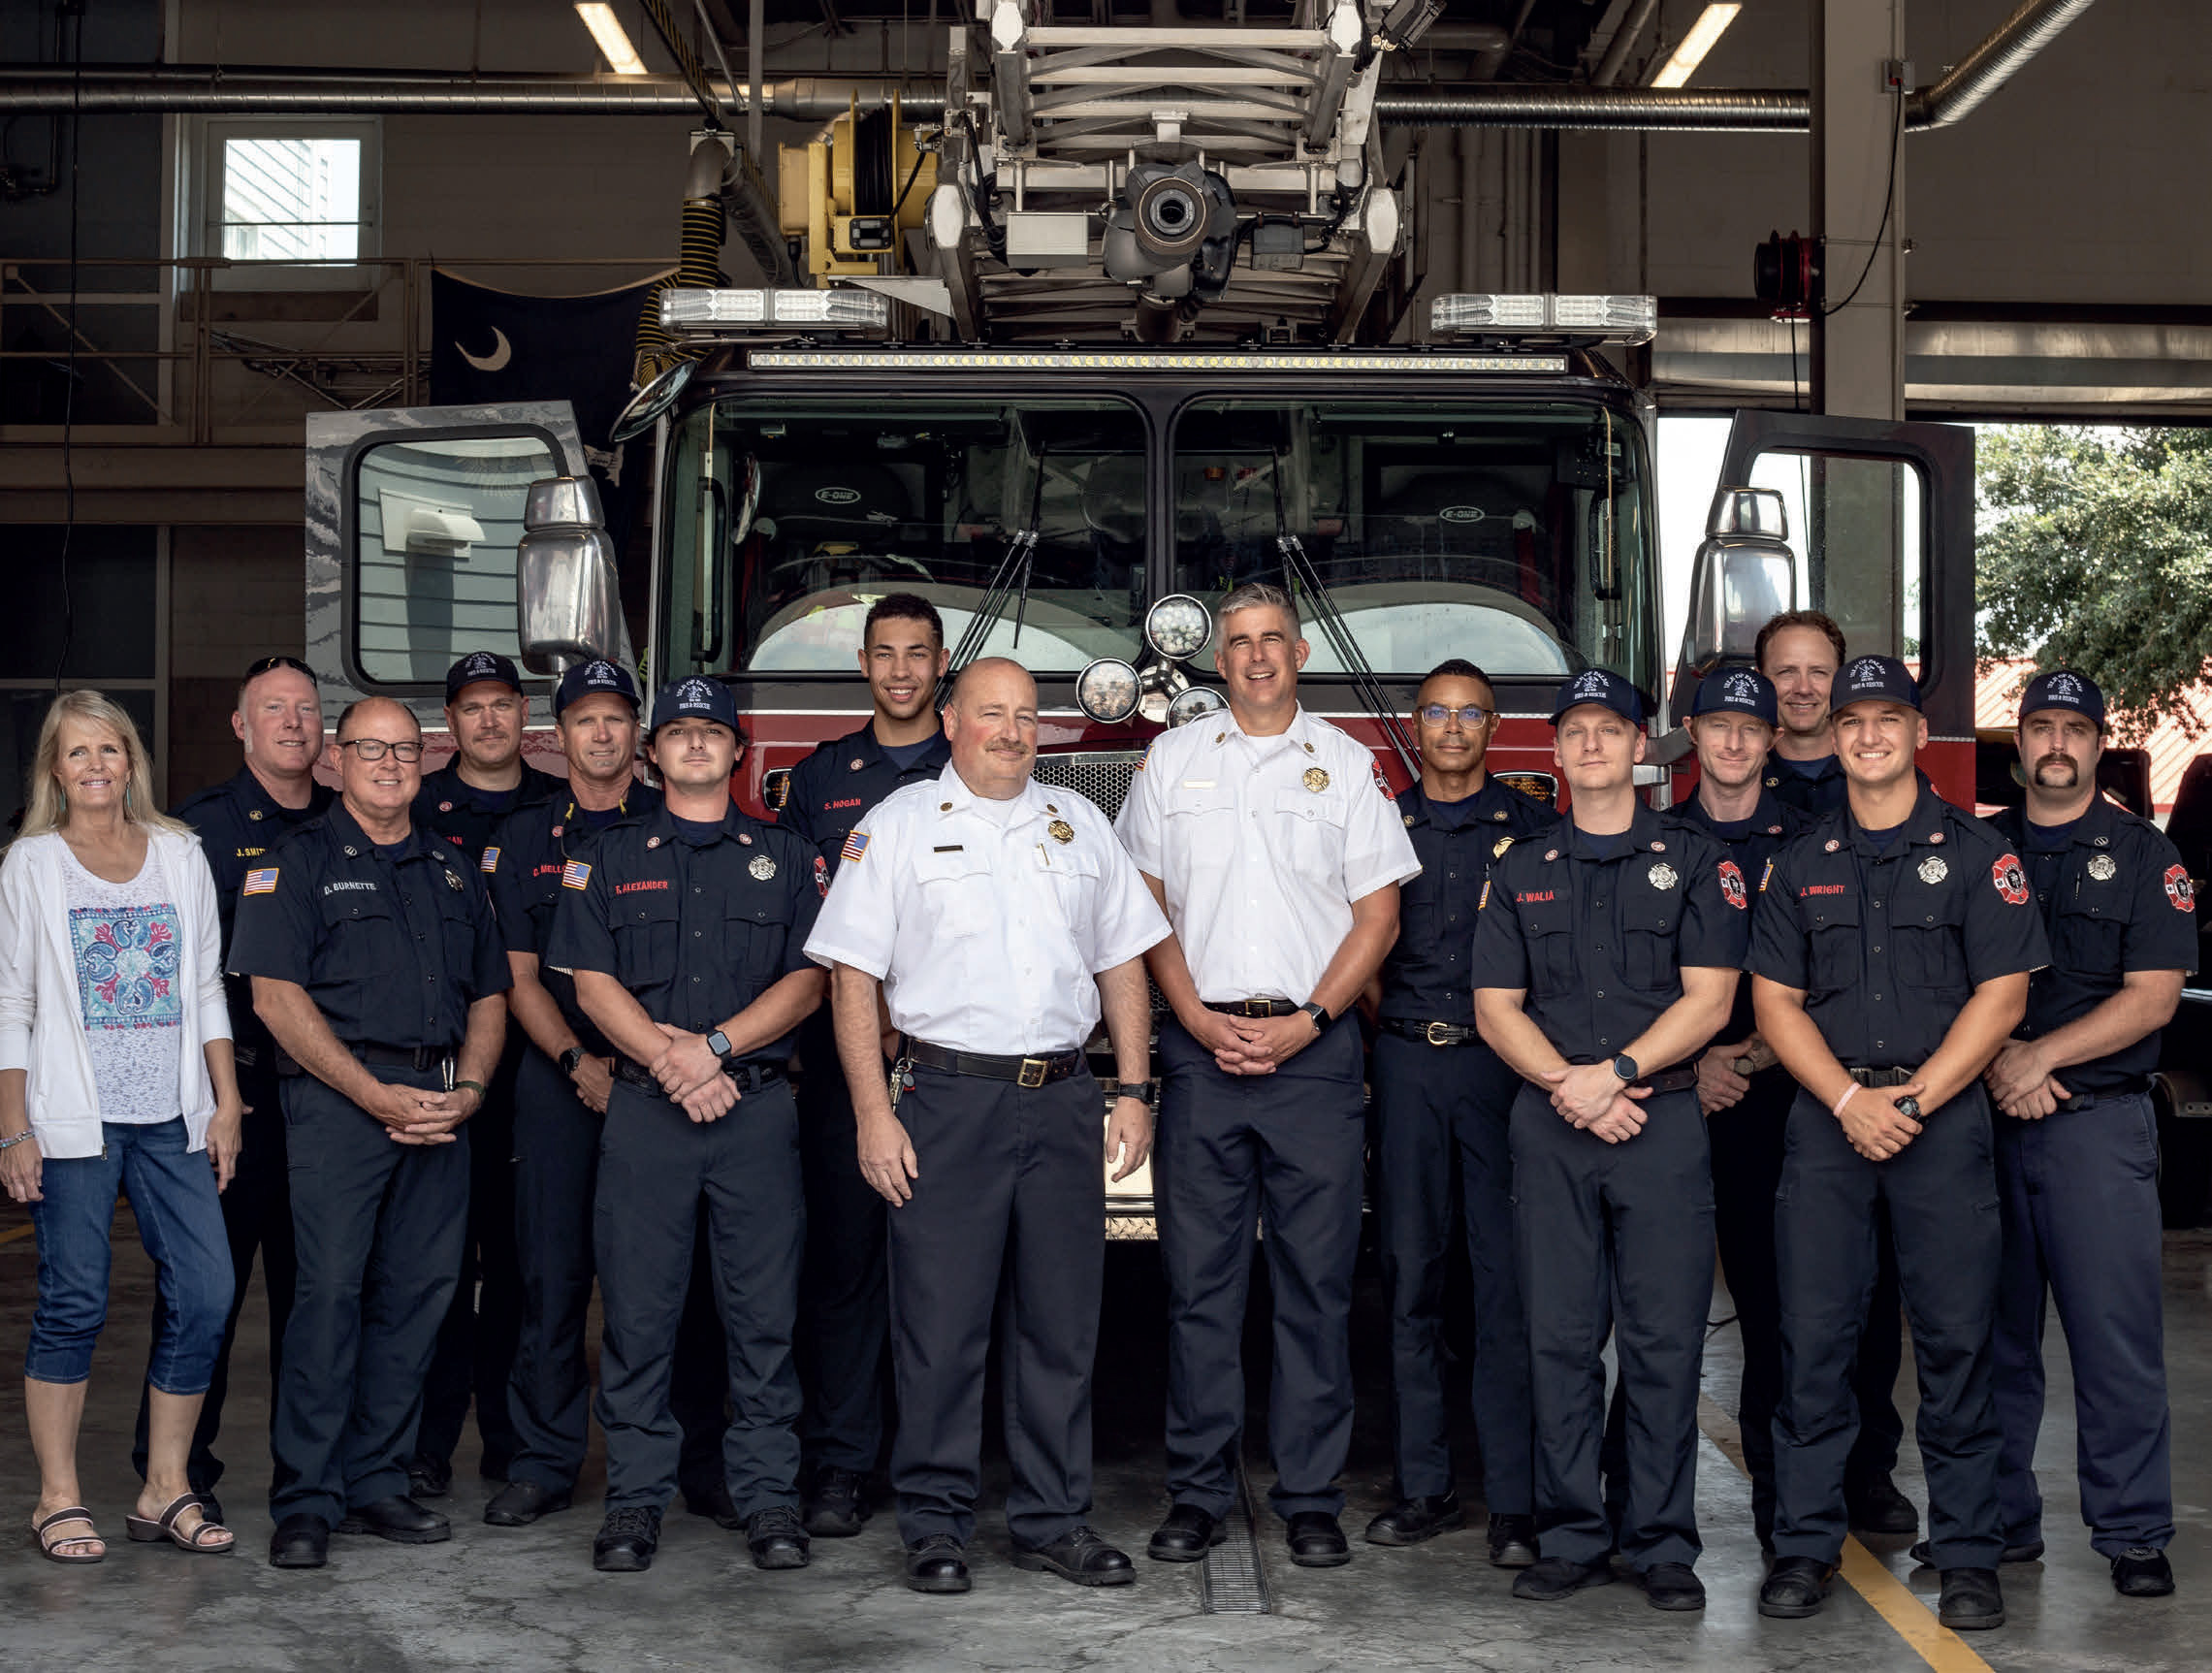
(1745, 574)
(567, 597)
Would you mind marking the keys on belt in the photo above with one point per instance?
(1432, 1033)
(1025, 1072)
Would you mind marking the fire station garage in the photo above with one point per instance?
(401, 352)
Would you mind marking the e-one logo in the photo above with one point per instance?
(1460, 514)
(838, 496)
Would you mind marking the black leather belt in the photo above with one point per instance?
(2083, 1099)
(748, 1076)
(1030, 1072)
(1254, 1007)
(1883, 1076)
(1676, 1080)
(416, 1057)
(1432, 1032)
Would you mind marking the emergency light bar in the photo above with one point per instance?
(1324, 361)
(1629, 319)
(690, 312)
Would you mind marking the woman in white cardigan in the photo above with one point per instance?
(115, 1076)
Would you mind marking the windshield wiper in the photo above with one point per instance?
(1011, 576)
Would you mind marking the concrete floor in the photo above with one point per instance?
(529, 1599)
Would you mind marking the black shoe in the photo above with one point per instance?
(398, 1519)
(1557, 1577)
(1316, 1541)
(2142, 1571)
(300, 1541)
(838, 1506)
(1186, 1535)
(1410, 1520)
(1080, 1555)
(935, 1564)
(520, 1504)
(1876, 1506)
(713, 1502)
(1513, 1541)
(777, 1539)
(1794, 1587)
(2027, 1551)
(626, 1540)
(1970, 1600)
(1672, 1586)
(429, 1477)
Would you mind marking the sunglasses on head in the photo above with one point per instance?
(270, 664)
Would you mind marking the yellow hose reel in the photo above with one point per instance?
(855, 193)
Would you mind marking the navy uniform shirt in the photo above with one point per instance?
(828, 791)
(1599, 944)
(523, 865)
(1888, 945)
(463, 816)
(1746, 847)
(1822, 791)
(238, 822)
(392, 947)
(2115, 899)
(1424, 976)
(696, 933)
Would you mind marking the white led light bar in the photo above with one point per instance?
(1630, 319)
(1139, 360)
(689, 313)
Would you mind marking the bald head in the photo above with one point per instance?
(991, 727)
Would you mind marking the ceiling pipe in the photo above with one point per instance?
(1964, 88)
(1624, 42)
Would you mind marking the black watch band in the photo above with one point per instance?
(718, 1044)
(1140, 1091)
(1320, 1015)
(570, 1058)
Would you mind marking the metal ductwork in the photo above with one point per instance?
(2032, 27)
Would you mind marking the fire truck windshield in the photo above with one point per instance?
(787, 518)
(1518, 536)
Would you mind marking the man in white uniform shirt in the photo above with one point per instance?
(993, 916)
(1275, 843)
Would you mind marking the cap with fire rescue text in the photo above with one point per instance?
(694, 699)
(2064, 689)
(480, 665)
(1604, 687)
(587, 678)
(1736, 691)
(1874, 680)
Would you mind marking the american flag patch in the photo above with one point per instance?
(856, 846)
(261, 882)
(1766, 876)
(576, 873)
(1486, 900)
(490, 860)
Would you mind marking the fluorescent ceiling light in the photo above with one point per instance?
(614, 41)
(1708, 29)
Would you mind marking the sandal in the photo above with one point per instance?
(50, 1548)
(151, 1531)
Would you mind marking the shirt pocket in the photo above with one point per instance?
(758, 926)
(362, 939)
(1649, 924)
(457, 932)
(2093, 931)
(1548, 932)
(1311, 825)
(1833, 941)
(1930, 941)
(645, 930)
(955, 891)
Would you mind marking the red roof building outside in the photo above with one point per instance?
(1997, 706)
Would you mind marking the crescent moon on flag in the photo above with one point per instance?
(497, 359)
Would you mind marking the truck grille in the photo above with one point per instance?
(1102, 775)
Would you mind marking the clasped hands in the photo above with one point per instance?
(692, 1075)
(2020, 1082)
(1591, 1097)
(1254, 1044)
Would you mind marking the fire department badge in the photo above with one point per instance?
(2179, 890)
(1060, 830)
(1316, 779)
(1498, 848)
(1664, 876)
(1732, 889)
(2102, 867)
(1934, 871)
(2012, 883)
(763, 867)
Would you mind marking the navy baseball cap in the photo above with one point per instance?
(1736, 691)
(2064, 689)
(1874, 680)
(1606, 689)
(480, 665)
(597, 675)
(694, 699)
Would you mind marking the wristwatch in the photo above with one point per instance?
(1140, 1091)
(1320, 1015)
(1624, 1066)
(1746, 1066)
(718, 1044)
(1908, 1108)
(570, 1058)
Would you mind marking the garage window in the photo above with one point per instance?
(298, 193)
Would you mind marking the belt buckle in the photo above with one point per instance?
(1257, 1007)
(1032, 1073)
(1438, 1034)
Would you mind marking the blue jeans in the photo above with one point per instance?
(180, 1222)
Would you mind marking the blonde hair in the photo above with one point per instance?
(47, 809)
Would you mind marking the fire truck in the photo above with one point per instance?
(1132, 326)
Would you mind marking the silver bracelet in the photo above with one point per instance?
(26, 1133)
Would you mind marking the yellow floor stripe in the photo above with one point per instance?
(1896, 1602)
(22, 1230)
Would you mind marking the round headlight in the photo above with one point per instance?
(1179, 626)
(1106, 690)
(1191, 704)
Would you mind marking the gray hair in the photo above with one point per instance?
(1257, 593)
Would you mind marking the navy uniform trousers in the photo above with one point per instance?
(557, 1170)
(1615, 1238)
(1940, 1191)
(844, 1324)
(2082, 1226)
(657, 1165)
(1443, 1150)
(378, 1228)
(1235, 1152)
(1008, 1206)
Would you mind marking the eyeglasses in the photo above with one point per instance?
(269, 665)
(373, 750)
(1436, 713)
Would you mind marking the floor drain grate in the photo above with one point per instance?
(1229, 1581)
